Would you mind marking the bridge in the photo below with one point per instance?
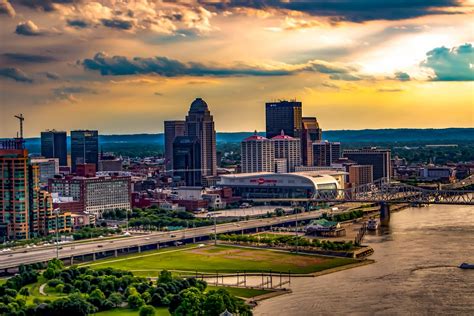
(384, 191)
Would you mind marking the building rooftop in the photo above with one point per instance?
(198, 105)
(282, 136)
(255, 136)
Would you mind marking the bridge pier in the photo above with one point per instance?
(384, 214)
(72, 261)
(115, 253)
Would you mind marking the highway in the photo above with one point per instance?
(44, 253)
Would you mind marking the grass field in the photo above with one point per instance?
(128, 312)
(224, 259)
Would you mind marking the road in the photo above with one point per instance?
(44, 253)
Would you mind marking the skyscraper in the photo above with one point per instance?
(325, 153)
(378, 158)
(289, 148)
(187, 160)
(172, 130)
(200, 124)
(25, 210)
(54, 145)
(84, 148)
(310, 133)
(283, 115)
(258, 154)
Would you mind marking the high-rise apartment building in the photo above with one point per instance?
(54, 145)
(378, 158)
(360, 174)
(289, 148)
(173, 129)
(283, 115)
(325, 153)
(310, 133)
(257, 154)
(96, 194)
(25, 210)
(200, 124)
(187, 160)
(84, 148)
(47, 167)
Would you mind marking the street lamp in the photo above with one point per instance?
(215, 225)
(56, 211)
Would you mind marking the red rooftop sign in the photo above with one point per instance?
(262, 181)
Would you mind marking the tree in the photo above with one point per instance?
(191, 302)
(116, 299)
(165, 277)
(135, 301)
(25, 292)
(97, 297)
(146, 310)
(213, 304)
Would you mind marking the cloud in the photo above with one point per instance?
(44, 5)
(165, 67)
(390, 90)
(52, 75)
(346, 10)
(28, 58)
(15, 74)
(78, 23)
(162, 66)
(402, 76)
(6, 8)
(27, 28)
(117, 24)
(69, 93)
(455, 64)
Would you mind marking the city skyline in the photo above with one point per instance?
(135, 65)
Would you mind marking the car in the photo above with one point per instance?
(148, 238)
(173, 236)
(100, 246)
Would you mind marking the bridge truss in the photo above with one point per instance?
(395, 192)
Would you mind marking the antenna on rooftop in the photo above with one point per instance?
(21, 118)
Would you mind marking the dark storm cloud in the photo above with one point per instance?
(402, 76)
(117, 24)
(15, 74)
(120, 65)
(44, 5)
(27, 28)
(454, 64)
(347, 10)
(78, 23)
(6, 8)
(27, 58)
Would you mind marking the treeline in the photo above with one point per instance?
(87, 291)
(155, 218)
(342, 217)
(287, 240)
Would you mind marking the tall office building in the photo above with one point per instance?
(25, 210)
(48, 168)
(360, 174)
(187, 160)
(200, 124)
(325, 153)
(172, 130)
(310, 133)
(258, 154)
(84, 148)
(289, 148)
(378, 158)
(54, 145)
(283, 115)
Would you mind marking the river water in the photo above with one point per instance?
(415, 271)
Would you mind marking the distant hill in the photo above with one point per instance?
(345, 136)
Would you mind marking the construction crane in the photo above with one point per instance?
(21, 118)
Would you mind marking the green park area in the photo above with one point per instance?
(220, 258)
(160, 311)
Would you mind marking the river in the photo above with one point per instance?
(415, 271)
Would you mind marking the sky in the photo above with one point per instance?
(126, 66)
